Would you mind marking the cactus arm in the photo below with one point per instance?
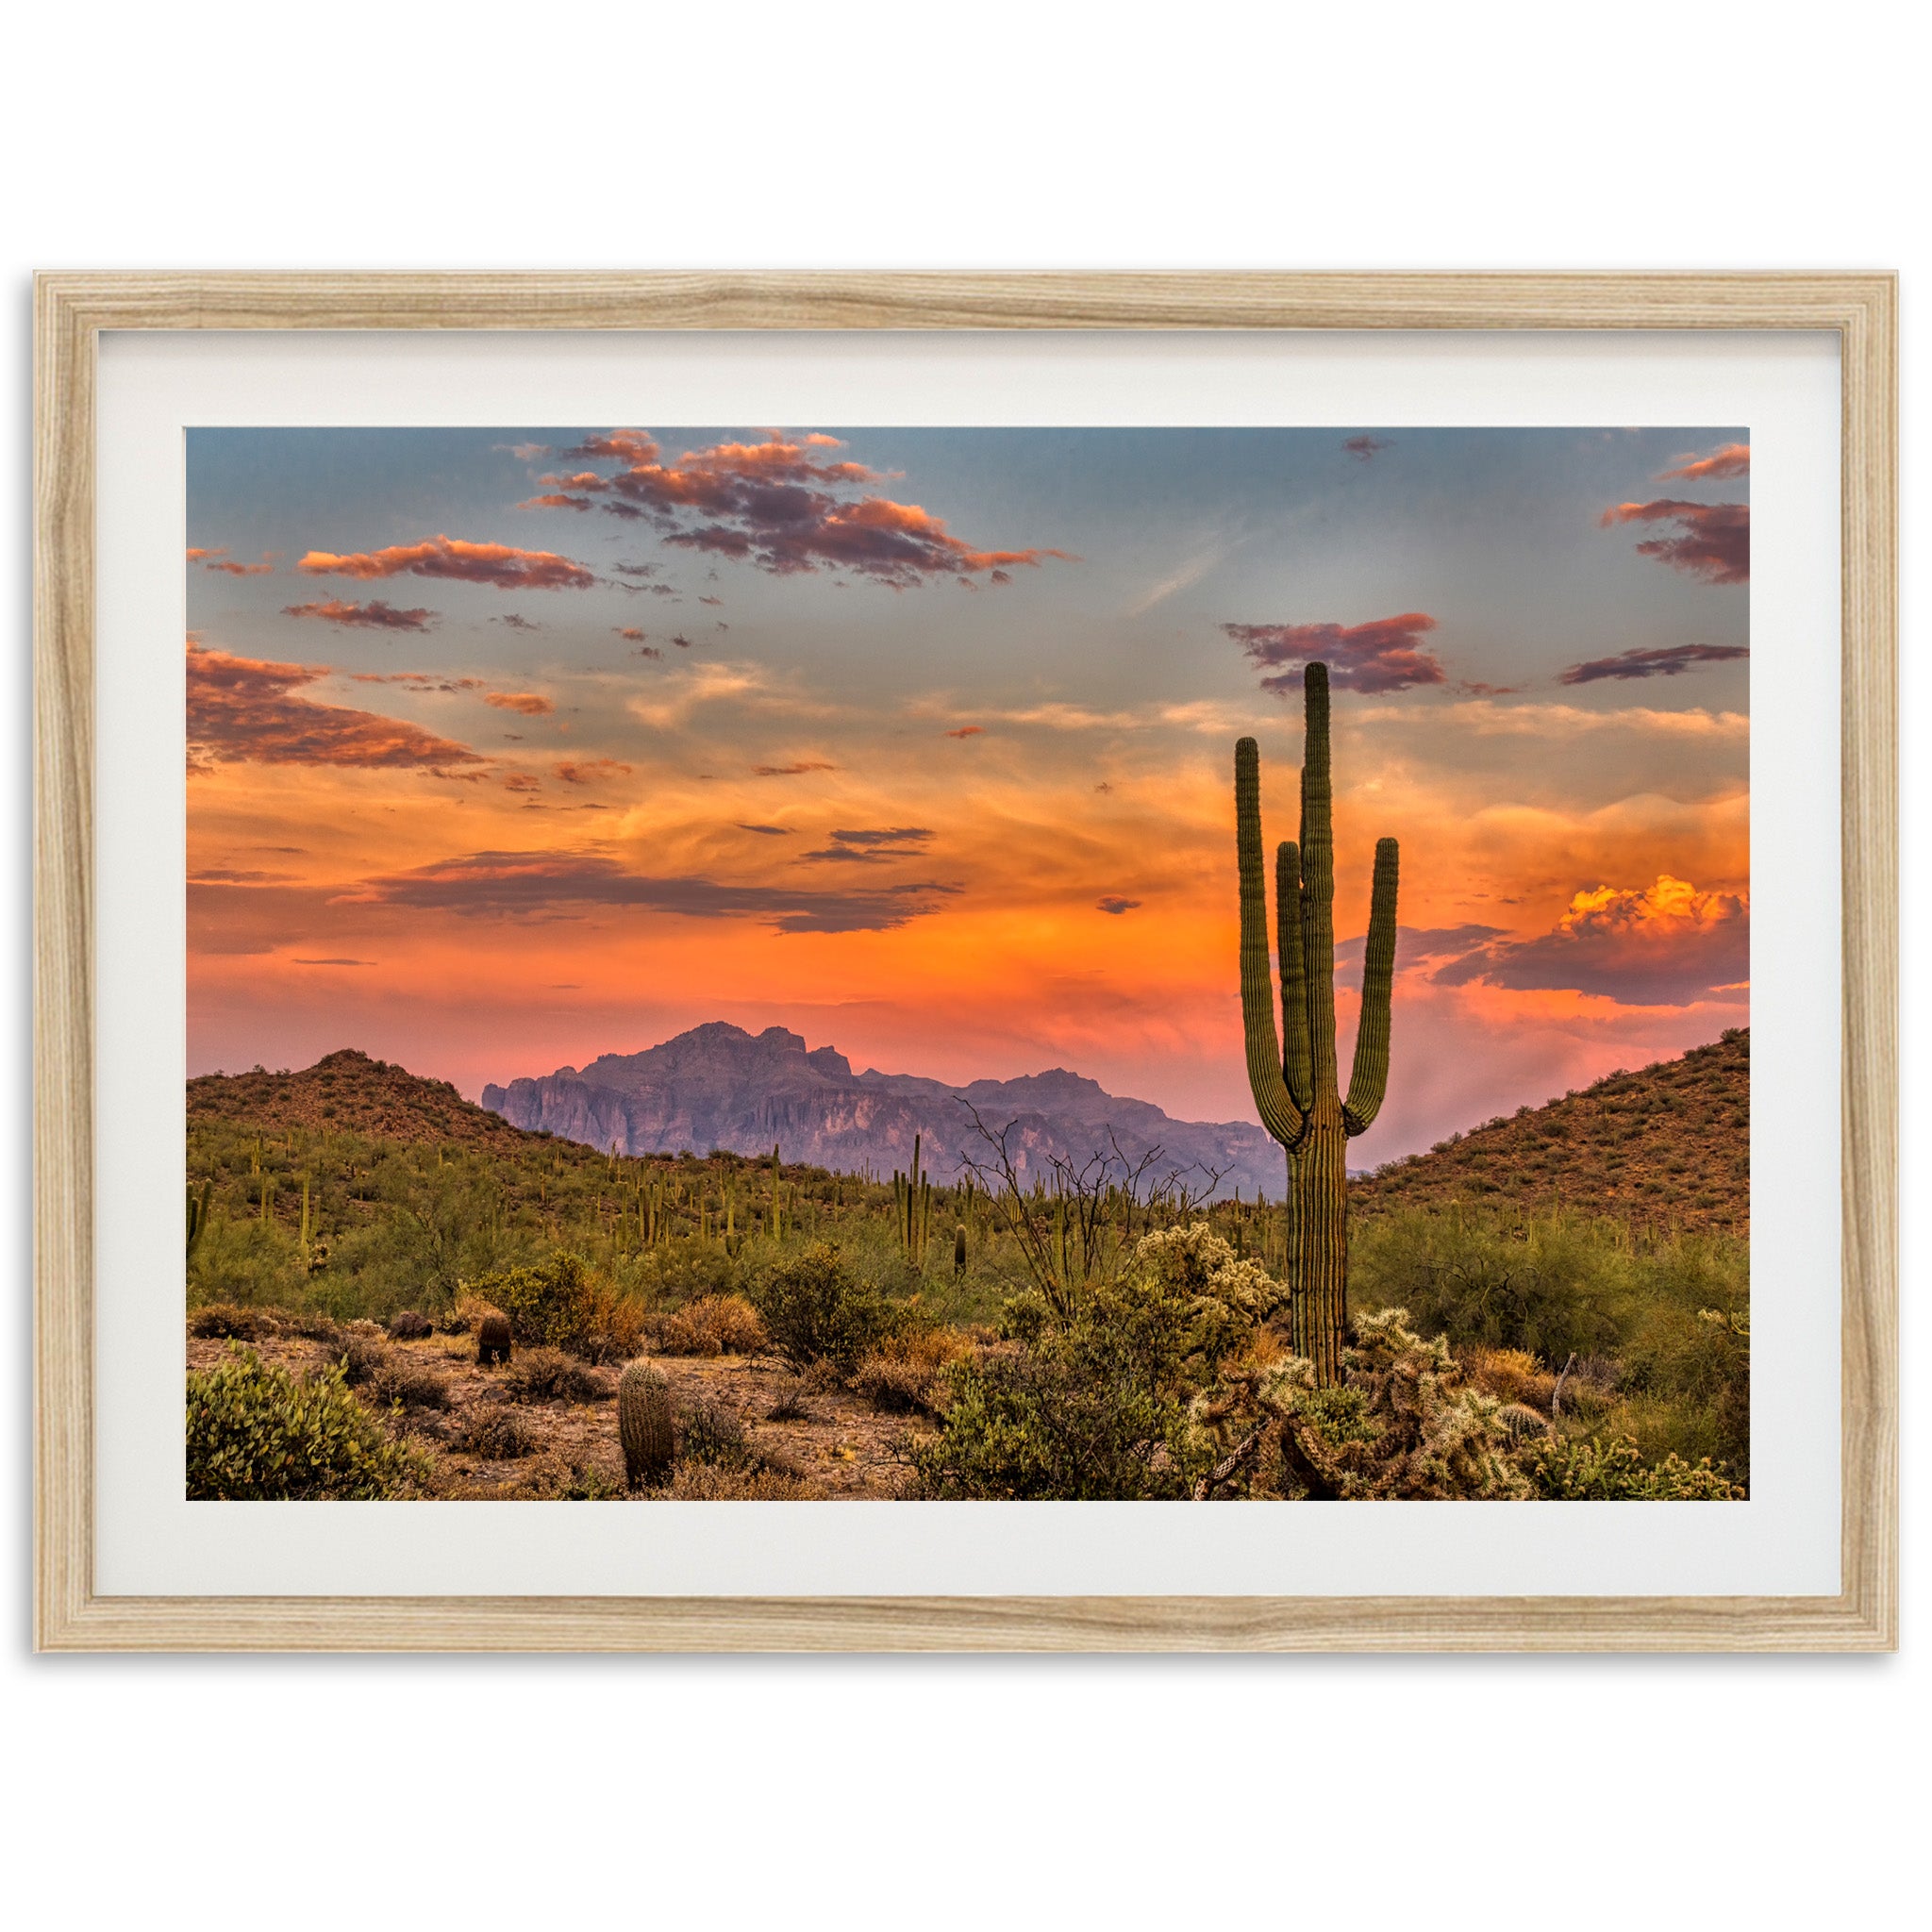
(1318, 887)
(1370, 1079)
(1272, 1102)
(1294, 984)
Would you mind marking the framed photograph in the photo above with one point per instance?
(878, 962)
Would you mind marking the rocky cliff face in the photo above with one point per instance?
(718, 1086)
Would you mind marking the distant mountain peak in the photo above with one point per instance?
(717, 1085)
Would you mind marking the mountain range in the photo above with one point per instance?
(718, 1086)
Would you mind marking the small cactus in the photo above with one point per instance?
(643, 1424)
(493, 1340)
(960, 1248)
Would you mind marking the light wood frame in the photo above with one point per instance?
(71, 312)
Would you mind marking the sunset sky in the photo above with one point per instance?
(509, 747)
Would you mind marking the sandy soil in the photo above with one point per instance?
(840, 1447)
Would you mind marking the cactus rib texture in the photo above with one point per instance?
(1295, 1079)
(643, 1424)
(493, 1340)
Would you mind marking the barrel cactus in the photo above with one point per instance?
(1294, 1079)
(493, 1340)
(643, 1424)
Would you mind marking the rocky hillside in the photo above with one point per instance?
(347, 1092)
(1666, 1147)
(718, 1086)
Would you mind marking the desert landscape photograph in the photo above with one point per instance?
(757, 962)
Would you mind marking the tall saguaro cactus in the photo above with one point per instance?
(1295, 1078)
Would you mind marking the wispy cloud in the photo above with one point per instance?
(1669, 660)
(1721, 465)
(374, 615)
(1180, 579)
(527, 884)
(1364, 448)
(529, 703)
(1114, 903)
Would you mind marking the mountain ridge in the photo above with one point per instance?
(718, 1086)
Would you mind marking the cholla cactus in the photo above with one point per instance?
(1400, 1425)
(643, 1424)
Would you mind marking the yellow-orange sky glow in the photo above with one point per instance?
(753, 757)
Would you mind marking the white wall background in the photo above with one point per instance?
(443, 1791)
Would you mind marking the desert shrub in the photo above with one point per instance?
(1593, 1471)
(586, 1483)
(556, 1304)
(1552, 1287)
(904, 1373)
(414, 1384)
(1510, 1375)
(547, 1374)
(546, 1305)
(256, 1433)
(708, 1433)
(493, 1430)
(312, 1326)
(360, 1350)
(791, 1405)
(713, 1325)
(464, 1315)
(1097, 1402)
(816, 1312)
(711, 1482)
(224, 1320)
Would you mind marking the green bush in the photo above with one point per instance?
(817, 1312)
(551, 1304)
(257, 1433)
(1095, 1403)
(1555, 1286)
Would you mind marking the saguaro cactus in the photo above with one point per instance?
(1294, 1079)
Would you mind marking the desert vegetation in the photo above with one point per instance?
(371, 1316)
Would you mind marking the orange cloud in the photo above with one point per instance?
(968, 731)
(775, 506)
(218, 559)
(246, 709)
(499, 565)
(528, 702)
(1666, 944)
(556, 501)
(1714, 540)
(1383, 655)
(374, 615)
(792, 770)
(1732, 460)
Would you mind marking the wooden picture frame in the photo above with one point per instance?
(73, 310)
